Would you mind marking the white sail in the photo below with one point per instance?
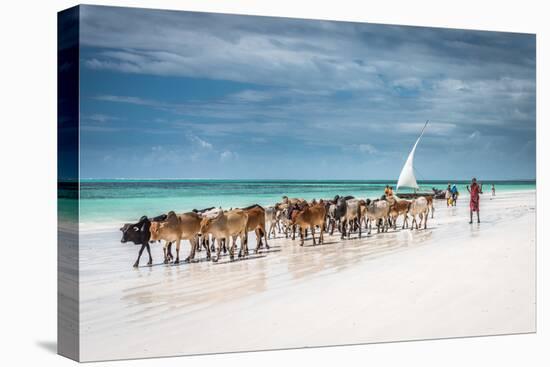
(407, 177)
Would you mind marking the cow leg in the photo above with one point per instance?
(265, 238)
(165, 251)
(150, 262)
(136, 264)
(269, 230)
(245, 236)
(212, 245)
(359, 228)
(313, 234)
(245, 249)
(177, 261)
(241, 250)
(219, 250)
(232, 248)
(258, 232)
(321, 236)
(433, 209)
(194, 244)
(302, 236)
(169, 251)
(342, 229)
(208, 252)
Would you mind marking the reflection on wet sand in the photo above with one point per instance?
(118, 300)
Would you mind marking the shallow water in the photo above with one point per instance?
(105, 203)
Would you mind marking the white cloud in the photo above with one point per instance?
(474, 136)
(367, 148)
(250, 96)
(227, 155)
(409, 83)
(200, 142)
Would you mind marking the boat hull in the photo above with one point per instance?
(412, 195)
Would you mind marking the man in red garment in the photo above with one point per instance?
(474, 189)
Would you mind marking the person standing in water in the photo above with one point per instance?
(454, 194)
(448, 195)
(474, 189)
(493, 190)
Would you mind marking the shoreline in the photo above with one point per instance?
(453, 279)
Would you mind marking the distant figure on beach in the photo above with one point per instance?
(493, 193)
(474, 189)
(448, 195)
(454, 194)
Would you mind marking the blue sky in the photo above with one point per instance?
(198, 95)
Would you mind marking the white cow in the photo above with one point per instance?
(377, 210)
(419, 207)
(271, 219)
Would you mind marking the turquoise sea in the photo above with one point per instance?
(105, 202)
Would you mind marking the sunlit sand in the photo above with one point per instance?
(453, 279)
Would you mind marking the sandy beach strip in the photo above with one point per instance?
(453, 279)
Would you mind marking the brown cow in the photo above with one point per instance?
(176, 228)
(310, 217)
(225, 226)
(291, 214)
(293, 201)
(256, 223)
(399, 207)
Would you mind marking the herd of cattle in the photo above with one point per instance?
(215, 229)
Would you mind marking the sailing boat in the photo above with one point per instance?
(407, 177)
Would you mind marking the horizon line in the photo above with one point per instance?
(293, 179)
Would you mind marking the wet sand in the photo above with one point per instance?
(453, 279)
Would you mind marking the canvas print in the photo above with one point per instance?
(233, 183)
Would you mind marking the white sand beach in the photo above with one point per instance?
(451, 280)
